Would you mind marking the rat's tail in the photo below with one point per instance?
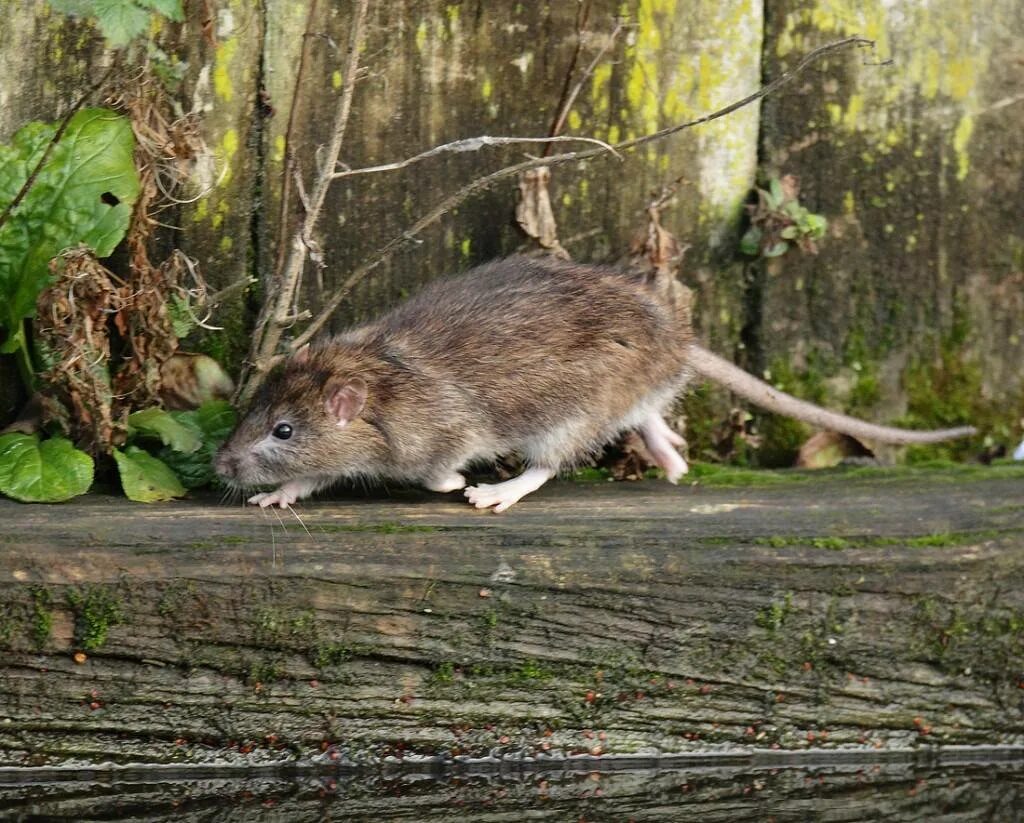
(760, 393)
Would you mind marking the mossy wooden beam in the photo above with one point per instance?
(866, 610)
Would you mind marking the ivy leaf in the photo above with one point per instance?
(46, 472)
(83, 194)
(146, 479)
(183, 436)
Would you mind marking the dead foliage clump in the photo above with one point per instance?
(105, 337)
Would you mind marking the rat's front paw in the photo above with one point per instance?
(280, 497)
(290, 492)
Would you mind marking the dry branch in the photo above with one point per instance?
(277, 313)
(472, 144)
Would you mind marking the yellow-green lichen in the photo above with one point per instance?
(222, 85)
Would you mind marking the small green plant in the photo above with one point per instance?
(120, 21)
(73, 185)
(778, 221)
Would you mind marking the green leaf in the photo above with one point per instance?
(83, 194)
(120, 20)
(777, 250)
(216, 419)
(168, 8)
(789, 233)
(183, 436)
(750, 243)
(46, 472)
(816, 225)
(144, 478)
(775, 186)
(182, 320)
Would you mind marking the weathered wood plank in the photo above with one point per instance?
(874, 610)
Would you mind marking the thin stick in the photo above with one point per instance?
(289, 136)
(276, 312)
(471, 144)
(582, 15)
(570, 99)
(484, 183)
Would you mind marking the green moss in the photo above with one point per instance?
(327, 654)
(947, 389)
(980, 639)
(773, 616)
(936, 540)
(715, 474)
(7, 625)
(97, 609)
(591, 474)
(701, 406)
(175, 599)
(42, 616)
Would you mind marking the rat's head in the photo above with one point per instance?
(304, 421)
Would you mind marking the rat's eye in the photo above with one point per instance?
(282, 431)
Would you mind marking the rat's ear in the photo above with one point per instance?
(345, 399)
(301, 354)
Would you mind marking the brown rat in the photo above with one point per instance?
(547, 359)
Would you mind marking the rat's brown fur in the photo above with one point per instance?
(545, 358)
(541, 357)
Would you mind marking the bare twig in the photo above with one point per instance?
(472, 144)
(483, 183)
(569, 99)
(289, 140)
(276, 313)
(582, 16)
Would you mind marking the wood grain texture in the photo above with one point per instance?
(861, 609)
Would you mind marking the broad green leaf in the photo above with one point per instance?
(83, 194)
(750, 243)
(789, 233)
(776, 192)
(184, 436)
(777, 250)
(144, 478)
(46, 472)
(120, 20)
